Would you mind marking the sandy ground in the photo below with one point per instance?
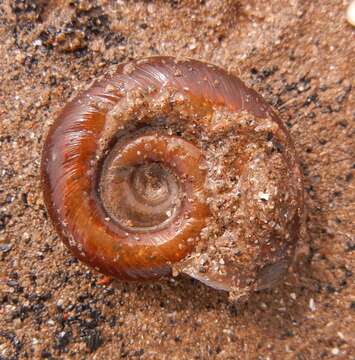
(300, 55)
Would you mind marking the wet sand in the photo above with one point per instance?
(300, 56)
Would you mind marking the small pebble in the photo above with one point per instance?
(263, 306)
(5, 248)
(312, 305)
(37, 42)
(263, 196)
(335, 351)
(350, 13)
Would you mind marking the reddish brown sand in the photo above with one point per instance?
(300, 55)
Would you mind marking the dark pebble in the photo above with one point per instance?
(327, 110)
(5, 248)
(4, 219)
(348, 177)
(350, 246)
(45, 354)
(287, 334)
(291, 87)
(233, 310)
(24, 199)
(92, 338)
(330, 289)
(310, 99)
(253, 71)
(112, 321)
(343, 123)
(139, 352)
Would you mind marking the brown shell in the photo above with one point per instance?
(161, 110)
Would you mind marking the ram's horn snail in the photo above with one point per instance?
(175, 166)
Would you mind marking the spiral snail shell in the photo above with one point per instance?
(173, 166)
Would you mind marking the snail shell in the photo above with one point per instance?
(173, 166)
